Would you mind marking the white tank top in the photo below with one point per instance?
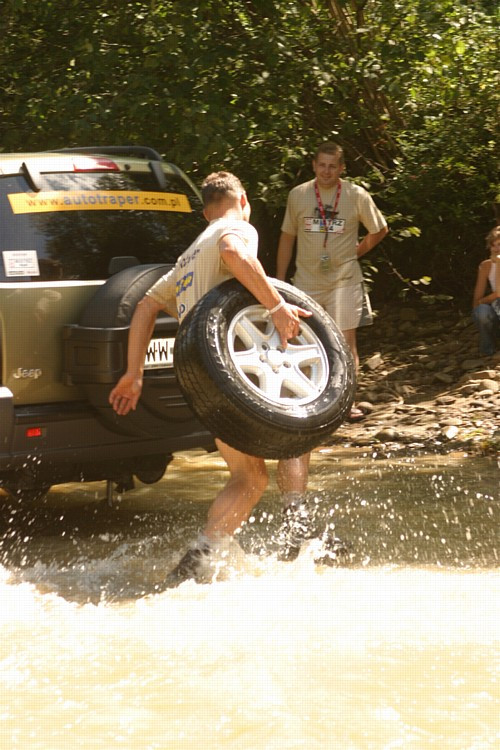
(492, 276)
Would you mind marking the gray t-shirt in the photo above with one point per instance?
(304, 221)
(201, 267)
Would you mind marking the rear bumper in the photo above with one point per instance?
(47, 437)
(6, 418)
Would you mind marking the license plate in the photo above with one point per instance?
(160, 353)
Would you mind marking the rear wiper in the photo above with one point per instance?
(32, 175)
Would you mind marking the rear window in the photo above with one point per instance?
(78, 222)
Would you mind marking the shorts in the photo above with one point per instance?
(349, 306)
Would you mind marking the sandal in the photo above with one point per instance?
(355, 415)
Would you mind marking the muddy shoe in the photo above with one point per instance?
(294, 531)
(189, 567)
(333, 550)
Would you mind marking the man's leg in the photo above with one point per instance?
(349, 308)
(292, 476)
(355, 415)
(243, 490)
(350, 337)
(299, 524)
(231, 507)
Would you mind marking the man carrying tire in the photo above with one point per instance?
(227, 248)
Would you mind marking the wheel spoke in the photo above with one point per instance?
(248, 360)
(301, 385)
(303, 354)
(249, 333)
(271, 384)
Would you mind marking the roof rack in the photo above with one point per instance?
(142, 152)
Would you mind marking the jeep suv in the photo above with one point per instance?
(84, 233)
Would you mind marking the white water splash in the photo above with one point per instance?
(277, 656)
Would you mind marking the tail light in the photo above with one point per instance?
(91, 164)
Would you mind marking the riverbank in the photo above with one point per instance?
(423, 384)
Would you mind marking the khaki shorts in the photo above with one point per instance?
(349, 306)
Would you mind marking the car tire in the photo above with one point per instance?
(247, 390)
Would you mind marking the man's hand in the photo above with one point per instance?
(287, 321)
(126, 393)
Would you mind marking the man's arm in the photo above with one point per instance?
(127, 391)
(249, 271)
(369, 241)
(284, 254)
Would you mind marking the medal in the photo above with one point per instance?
(324, 263)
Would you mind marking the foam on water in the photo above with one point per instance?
(276, 656)
(357, 606)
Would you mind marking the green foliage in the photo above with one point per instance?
(407, 86)
(445, 174)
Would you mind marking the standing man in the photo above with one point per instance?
(323, 216)
(227, 248)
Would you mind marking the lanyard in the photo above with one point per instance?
(322, 208)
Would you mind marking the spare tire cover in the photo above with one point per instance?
(115, 301)
(161, 404)
(250, 392)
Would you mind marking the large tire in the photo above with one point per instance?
(247, 390)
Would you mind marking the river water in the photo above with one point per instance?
(397, 648)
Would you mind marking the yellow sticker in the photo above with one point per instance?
(97, 200)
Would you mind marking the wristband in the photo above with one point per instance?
(280, 304)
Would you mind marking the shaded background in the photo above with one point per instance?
(409, 89)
